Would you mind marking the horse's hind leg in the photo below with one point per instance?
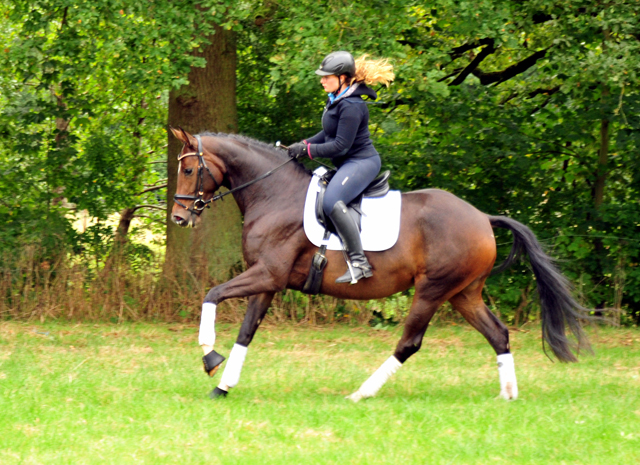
(423, 307)
(470, 304)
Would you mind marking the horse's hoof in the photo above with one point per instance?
(218, 393)
(355, 397)
(212, 362)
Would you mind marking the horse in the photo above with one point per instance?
(445, 250)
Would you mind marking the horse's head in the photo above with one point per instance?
(200, 174)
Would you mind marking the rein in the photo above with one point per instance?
(199, 203)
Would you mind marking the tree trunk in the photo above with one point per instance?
(207, 103)
(126, 217)
(603, 156)
(114, 260)
(603, 153)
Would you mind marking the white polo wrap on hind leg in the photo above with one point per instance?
(507, 371)
(231, 374)
(207, 324)
(371, 386)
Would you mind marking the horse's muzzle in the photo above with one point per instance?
(189, 222)
(180, 221)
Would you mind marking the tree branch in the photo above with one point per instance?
(453, 73)
(532, 94)
(394, 103)
(154, 207)
(540, 107)
(511, 71)
(409, 43)
(509, 98)
(150, 218)
(153, 188)
(457, 52)
(64, 18)
(550, 91)
(539, 18)
(156, 183)
(488, 50)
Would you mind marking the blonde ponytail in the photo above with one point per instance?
(373, 71)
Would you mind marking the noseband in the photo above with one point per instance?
(199, 203)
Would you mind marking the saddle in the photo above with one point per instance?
(379, 187)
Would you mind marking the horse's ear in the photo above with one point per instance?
(184, 137)
(177, 133)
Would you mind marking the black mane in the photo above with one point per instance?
(279, 154)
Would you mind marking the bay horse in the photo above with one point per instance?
(446, 250)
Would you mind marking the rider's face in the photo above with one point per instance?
(330, 83)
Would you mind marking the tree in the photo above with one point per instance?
(206, 103)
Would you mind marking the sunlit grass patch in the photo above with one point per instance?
(87, 393)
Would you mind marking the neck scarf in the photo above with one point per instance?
(333, 98)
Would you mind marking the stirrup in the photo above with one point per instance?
(355, 273)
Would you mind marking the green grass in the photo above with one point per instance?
(137, 394)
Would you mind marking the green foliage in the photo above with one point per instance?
(506, 104)
(83, 109)
(391, 310)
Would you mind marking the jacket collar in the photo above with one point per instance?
(345, 94)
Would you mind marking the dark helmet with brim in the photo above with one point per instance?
(337, 63)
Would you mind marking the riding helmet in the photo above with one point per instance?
(337, 63)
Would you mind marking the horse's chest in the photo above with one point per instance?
(266, 235)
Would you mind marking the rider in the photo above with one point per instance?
(345, 138)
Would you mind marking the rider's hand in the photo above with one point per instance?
(297, 150)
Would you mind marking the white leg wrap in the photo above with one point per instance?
(507, 371)
(371, 386)
(231, 374)
(207, 324)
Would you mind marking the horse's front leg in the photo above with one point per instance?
(257, 308)
(260, 281)
(255, 280)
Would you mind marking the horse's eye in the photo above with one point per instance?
(188, 171)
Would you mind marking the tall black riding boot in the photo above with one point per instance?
(348, 232)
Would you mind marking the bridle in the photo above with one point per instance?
(199, 203)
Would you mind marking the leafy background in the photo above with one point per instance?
(526, 109)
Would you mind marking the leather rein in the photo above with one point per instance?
(199, 203)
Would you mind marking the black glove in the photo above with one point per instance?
(297, 150)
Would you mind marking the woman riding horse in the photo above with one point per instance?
(345, 138)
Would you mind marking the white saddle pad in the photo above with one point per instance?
(380, 222)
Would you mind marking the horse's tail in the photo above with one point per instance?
(558, 308)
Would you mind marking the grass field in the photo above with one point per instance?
(80, 393)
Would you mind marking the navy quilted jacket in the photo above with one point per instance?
(345, 124)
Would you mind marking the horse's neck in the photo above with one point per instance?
(276, 189)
